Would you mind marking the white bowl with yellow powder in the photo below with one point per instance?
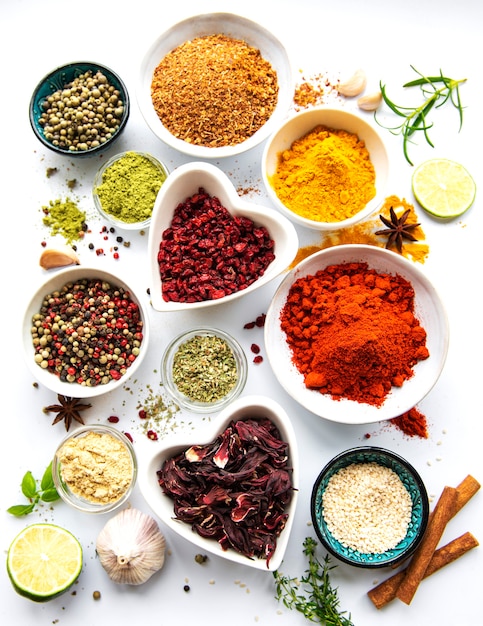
(210, 97)
(326, 168)
(95, 469)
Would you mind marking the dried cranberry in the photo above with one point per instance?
(113, 419)
(255, 348)
(206, 253)
(258, 359)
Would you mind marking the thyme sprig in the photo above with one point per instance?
(313, 595)
(437, 90)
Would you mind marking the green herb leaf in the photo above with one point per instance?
(47, 492)
(29, 486)
(436, 91)
(49, 495)
(313, 594)
(21, 509)
(47, 481)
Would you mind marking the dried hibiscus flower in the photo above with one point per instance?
(236, 489)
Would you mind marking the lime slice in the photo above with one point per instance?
(43, 561)
(443, 188)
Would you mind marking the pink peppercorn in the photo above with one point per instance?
(152, 435)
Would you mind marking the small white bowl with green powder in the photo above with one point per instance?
(125, 189)
(204, 369)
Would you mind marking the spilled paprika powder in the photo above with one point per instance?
(353, 332)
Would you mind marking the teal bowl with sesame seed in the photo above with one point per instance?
(369, 507)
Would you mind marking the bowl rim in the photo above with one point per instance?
(34, 100)
(351, 120)
(342, 411)
(241, 408)
(184, 181)
(194, 405)
(56, 281)
(418, 481)
(98, 181)
(207, 23)
(76, 501)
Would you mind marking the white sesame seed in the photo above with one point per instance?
(367, 507)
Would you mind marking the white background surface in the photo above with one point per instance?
(382, 37)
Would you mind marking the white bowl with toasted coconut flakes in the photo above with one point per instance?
(236, 85)
(350, 177)
(370, 507)
(202, 270)
(264, 426)
(67, 357)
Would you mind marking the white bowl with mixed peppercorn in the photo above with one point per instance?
(215, 85)
(207, 246)
(85, 331)
(205, 489)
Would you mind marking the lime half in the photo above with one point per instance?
(443, 188)
(43, 561)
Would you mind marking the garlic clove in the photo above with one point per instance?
(354, 85)
(58, 257)
(370, 102)
(130, 547)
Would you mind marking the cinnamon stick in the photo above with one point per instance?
(465, 491)
(386, 591)
(444, 510)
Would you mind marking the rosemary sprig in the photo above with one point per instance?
(313, 596)
(437, 90)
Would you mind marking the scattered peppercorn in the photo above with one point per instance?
(201, 558)
(186, 588)
(96, 595)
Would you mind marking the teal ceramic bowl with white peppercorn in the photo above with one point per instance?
(204, 369)
(370, 507)
(79, 109)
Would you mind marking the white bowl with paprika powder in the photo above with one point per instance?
(367, 341)
(215, 85)
(68, 355)
(95, 469)
(325, 168)
(207, 246)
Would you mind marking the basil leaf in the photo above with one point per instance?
(29, 486)
(47, 481)
(49, 495)
(21, 509)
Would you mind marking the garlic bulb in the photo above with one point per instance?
(131, 547)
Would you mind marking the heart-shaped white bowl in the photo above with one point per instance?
(242, 408)
(181, 184)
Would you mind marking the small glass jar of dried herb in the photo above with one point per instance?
(204, 369)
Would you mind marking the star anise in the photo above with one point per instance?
(397, 229)
(69, 409)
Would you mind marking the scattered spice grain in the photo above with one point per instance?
(64, 218)
(214, 91)
(367, 507)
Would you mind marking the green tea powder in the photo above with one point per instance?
(129, 188)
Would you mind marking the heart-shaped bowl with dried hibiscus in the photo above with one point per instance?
(205, 489)
(208, 246)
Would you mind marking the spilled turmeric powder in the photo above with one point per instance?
(325, 176)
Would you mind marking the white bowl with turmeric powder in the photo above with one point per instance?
(215, 85)
(326, 168)
(95, 468)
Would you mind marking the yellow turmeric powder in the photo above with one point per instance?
(326, 175)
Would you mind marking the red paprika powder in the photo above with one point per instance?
(413, 423)
(352, 332)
